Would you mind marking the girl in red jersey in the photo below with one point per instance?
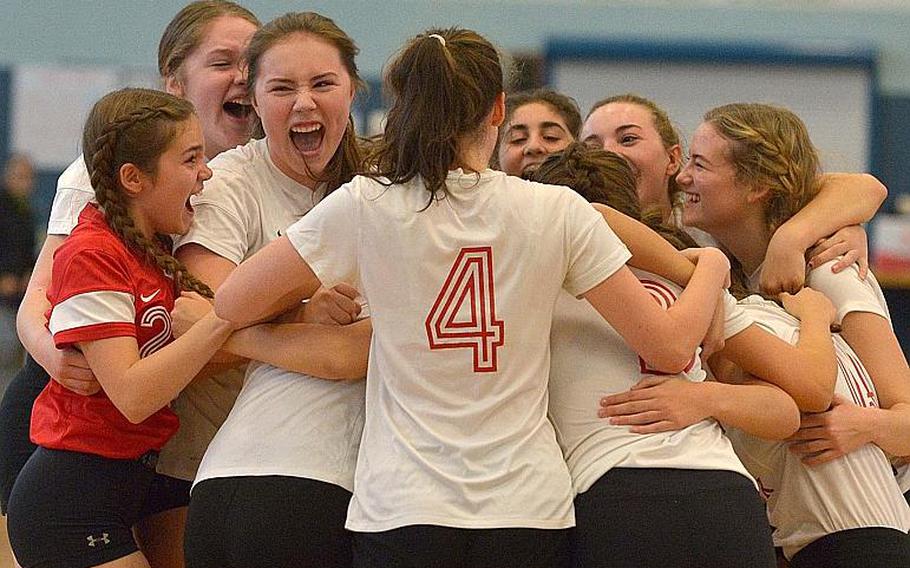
(114, 284)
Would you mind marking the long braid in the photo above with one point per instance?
(101, 153)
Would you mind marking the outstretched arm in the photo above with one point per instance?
(650, 252)
(270, 282)
(324, 351)
(661, 404)
(666, 339)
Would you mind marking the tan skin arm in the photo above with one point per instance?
(662, 404)
(212, 269)
(276, 278)
(806, 371)
(843, 200)
(67, 366)
(141, 387)
(846, 427)
(650, 252)
(326, 351)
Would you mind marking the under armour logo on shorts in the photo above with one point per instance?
(102, 539)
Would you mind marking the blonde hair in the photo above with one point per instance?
(771, 149)
(135, 126)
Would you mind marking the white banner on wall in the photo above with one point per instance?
(50, 104)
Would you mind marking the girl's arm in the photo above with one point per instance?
(843, 200)
(141, 387)
(666, 339)
(846, 427)
(650, 252)
(269, 283)
(67, 366)
(324, 351)
(806, 371)
(661, 404)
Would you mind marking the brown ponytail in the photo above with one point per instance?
(443, 84)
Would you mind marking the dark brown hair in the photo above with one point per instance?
(604, 177)
(565, 106)
(185, 31)
(668, 134)
(348, 158)
(134, 126)
(442, 84)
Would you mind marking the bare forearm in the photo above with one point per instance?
(650, 251)
(755, 408)
(842, 200)
(152, 382)
(888, 428)
(325, 351)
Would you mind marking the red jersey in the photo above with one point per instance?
(101, 289)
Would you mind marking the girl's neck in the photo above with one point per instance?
(747, 241)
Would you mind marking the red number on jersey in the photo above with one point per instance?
(664, 296)
(464, 314)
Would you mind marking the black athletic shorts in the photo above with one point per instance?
(268, 522)
(75, 510)
(871, 547)
(15, 419)
(429, 546)
(656, 518)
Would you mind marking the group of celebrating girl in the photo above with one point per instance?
(556, 374)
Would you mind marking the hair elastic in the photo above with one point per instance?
(441, 39)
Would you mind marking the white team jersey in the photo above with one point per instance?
(202, 406)
(462, 295)
(283, 423)
(807, 502)
(590, 360)
(74, 192)
(850, 294)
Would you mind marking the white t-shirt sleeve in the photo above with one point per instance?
(735, 317)
(594, 252)
(74, 192)
(221, 221)
(846, 291)
(327, 237)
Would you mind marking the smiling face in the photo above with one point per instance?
(716, 200)
(629, 130)
(303, 95)
(163, 206)
(213, 79)
(534, 131)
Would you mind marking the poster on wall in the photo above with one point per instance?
(50, 104)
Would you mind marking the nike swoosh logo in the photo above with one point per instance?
(150, 297)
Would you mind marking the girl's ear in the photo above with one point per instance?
(757, 193)
(173, 85)
(499, 110)
(132, 179)
(675, 154)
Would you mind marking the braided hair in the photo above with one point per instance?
(771, 149)
(135, 126)
(604, 177)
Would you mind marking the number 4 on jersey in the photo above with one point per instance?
(464, 314)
